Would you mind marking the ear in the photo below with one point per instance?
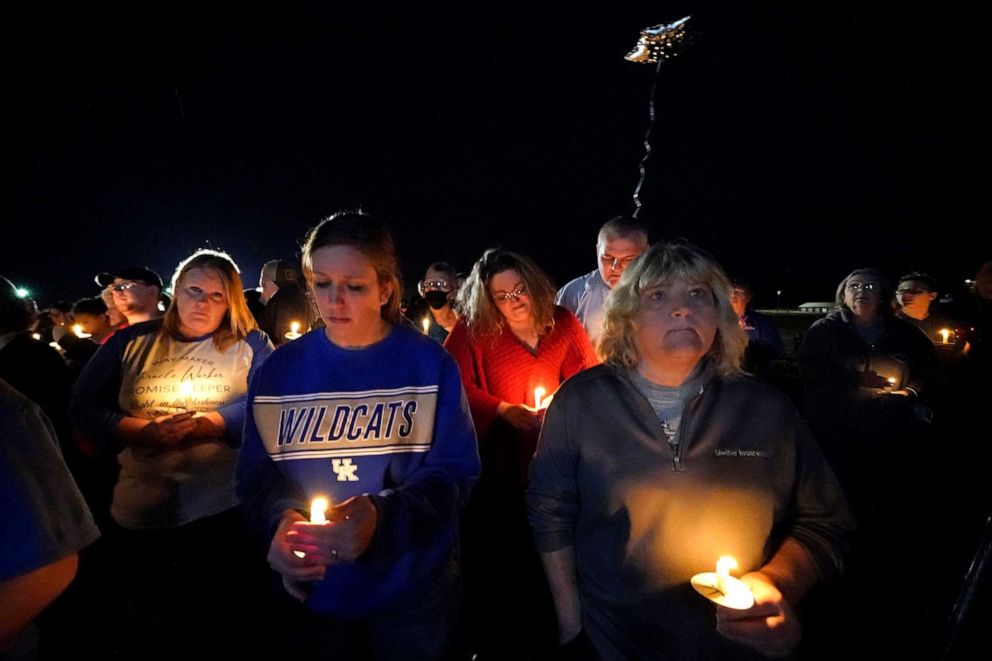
(933, 296)
(385, 292)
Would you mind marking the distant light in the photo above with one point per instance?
(969, 282)
(22, 292)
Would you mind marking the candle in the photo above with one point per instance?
(80, 333)
(55, 345)
(186, 390)
(426, 323)
(892, 382)
(722, 588)
(294, 331)
(318, 514)
(36, 336)
(539, 393)
(945, 334)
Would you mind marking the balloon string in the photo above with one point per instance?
(642, 166)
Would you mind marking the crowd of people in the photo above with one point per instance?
(502, 470)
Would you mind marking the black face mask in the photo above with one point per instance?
(436, 299)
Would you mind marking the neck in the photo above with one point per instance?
(376, 334)
(525, 332)
(866, 320)
(138, 317)
(670, 376)
(919, 315)
(445, 317)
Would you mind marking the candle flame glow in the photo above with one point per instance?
(426, 323)
(318, 510)
(80, 333)
(539, 393)
(294, 331)
(945, 334)
(186, 389)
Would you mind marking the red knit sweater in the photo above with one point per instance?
(502, 369)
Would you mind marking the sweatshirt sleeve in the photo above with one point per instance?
(821, 520)
(262, 489)
(93, 407)
(553, 491)
(233, 412)
(432, 497)
(483, 405)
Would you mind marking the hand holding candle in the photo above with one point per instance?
(722, 588)
(80, 333)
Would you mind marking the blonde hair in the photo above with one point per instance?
(478, 308)
(663, 263)
(238, 321)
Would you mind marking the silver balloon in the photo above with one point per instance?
(659, 42)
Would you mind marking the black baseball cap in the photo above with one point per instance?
(135, 273)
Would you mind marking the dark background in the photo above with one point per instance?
(795, 142)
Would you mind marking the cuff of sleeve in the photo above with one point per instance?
(547, 542)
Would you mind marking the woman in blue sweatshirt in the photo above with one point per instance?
(372, 416)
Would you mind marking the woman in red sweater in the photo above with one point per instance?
(511, 342)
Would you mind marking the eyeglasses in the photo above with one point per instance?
(438, 285)
(516, 295)
(123, 286)
(914, 291)
(862, 286)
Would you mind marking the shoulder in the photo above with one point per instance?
(576, 286)
(762, 396)
(594, 378)
(258, 340)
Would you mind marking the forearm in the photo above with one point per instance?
(792, 570)
(24, 596)
(560, 569)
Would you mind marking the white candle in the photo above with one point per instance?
(186, 390)
(80, 333)
(294, 331)
(945, 334)
(723, 567)
(318, 514)
(539, 393)
(426, 323)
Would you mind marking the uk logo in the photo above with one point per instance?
(344, 469)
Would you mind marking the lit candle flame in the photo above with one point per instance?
(891, 381)
(539, 393)
(56, 346)
(945, 334)
(723, 567)
(318, 514)
(36, 336)
(80, 333)
(294, 331)
(426, 323)
(186, 390)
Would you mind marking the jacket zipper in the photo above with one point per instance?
(675, 440)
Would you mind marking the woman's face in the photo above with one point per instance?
(863, 294)
(349, 296)
(675, 326)
(201, 299)
(510, 296)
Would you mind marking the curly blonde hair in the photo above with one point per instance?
(662, 263)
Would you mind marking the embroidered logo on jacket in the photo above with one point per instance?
(330, 424)
(740, 452)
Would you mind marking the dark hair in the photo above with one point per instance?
(369, 236)
(623, 227)
(91, 306)
(920, 276)
(15, 312)
(443, 267)
(480, 312)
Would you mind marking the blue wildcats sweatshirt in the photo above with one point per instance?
(390, 421)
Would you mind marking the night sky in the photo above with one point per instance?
(796, 143)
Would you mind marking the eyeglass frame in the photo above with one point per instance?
(121, 287)
(437, 284)
(862, 286)
(516, 295)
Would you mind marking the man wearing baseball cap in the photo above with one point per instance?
(136, 292)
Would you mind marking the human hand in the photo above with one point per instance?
(769, 627)
(295, 571)
(169, 429)
(872, 379)
(347, 534)
(523, 417)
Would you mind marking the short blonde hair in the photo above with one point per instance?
(479, 310)
(663, 263)
(238, 321)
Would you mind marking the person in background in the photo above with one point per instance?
(283, 299)
(136, 292)
(653, 465)
(620, 241)
(916, 294)
(510, 341)
(45, 522)
(388, 442)
(764, 342)
(170, 394)
(92, 317)
(439, 288)
(116, 317)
